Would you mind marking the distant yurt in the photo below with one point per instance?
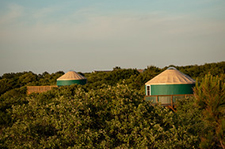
(169, 86)
(70, 78)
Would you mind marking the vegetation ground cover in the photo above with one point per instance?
(110, 111)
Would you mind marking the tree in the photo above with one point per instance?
(189, 116)
(210, 97)
(27, 78)
(108, 117)
(5, 85)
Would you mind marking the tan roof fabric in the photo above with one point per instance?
(71, 75)
(171, 76)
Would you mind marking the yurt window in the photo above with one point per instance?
(148, 90)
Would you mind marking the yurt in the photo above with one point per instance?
(169, 86)
(70, 78)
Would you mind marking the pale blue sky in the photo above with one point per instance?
(92, 35)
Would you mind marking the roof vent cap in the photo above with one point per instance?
(171, 68)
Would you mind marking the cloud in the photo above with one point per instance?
(106, 40)
(46, 14)
(154, 27)
(13, 14)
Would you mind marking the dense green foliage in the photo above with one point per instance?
(110, 111)
(10, 81)
(103, 118)
(210, 97)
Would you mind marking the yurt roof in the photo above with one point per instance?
(171, 76)
(71, 75)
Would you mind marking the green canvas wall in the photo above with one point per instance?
(172, 89)
(70, 82)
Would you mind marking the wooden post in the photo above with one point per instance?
(172, 100)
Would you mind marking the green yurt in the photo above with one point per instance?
(70, 78)
(169, 85)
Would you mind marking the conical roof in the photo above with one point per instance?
(71, 75)
(171, 76)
